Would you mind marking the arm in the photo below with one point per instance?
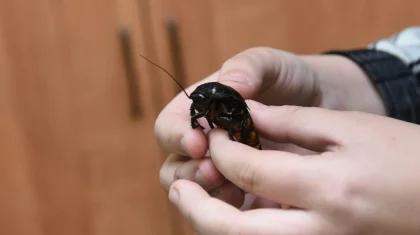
(393, 65)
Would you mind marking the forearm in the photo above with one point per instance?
(392, 66)
(344, 85)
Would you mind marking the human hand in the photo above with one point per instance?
(364, 178)
(269, 76)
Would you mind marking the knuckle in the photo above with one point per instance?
(185, 171)
(258, 51)
(344, 200)
(334, 198)
(249, 56)
(256, 54)
(248, 178)
(287, 111)
(239, 62)
(299, 114)
(294, 111)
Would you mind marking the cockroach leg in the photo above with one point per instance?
(244, 131)
(195, 116)
(231, 130)
(210, 123)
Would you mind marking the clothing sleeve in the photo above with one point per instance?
(393, 65)
(405, 45)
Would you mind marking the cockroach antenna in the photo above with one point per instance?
(170, 75)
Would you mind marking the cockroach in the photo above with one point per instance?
(222, 106)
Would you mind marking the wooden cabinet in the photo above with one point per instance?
(212, 31)
(77, 148)
(75, 159)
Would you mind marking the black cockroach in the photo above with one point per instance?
(222, 106)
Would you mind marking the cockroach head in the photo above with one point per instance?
(200, 100)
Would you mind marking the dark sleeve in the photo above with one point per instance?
(393, 65)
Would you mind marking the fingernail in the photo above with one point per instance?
(200, 178)
(215, 193)
(177, 173)
(173, 196)
(256, 105)
(235, 77)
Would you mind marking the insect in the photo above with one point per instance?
(222, 106)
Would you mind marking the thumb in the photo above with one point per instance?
(204, 212)
(252, 71)
(311, 128)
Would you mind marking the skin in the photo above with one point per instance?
(362, 180)
(336, 195)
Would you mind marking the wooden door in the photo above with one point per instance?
(74, 157)
(213, 31)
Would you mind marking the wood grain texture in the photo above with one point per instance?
(216, 30)
(72, 159)
(18, 204)
(159, 13)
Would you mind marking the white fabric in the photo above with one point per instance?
(405, 45)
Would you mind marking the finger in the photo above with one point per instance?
(268, 75)
(230, 194)
(291, 148)
(168, 169)
(275, 221)
(264, 203)
(283, 177)
(311, 128)
(195, 204)
(173, 129)
(253, 202)
(247, 71)
(201, 171)
(180, 138)
(211, 216)
(248, 201)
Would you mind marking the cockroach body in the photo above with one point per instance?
(222, 106)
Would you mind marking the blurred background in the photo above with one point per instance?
(78, 104)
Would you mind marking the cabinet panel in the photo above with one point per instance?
(73, 159)
(18, 197)
(304, 26)
(213, 31)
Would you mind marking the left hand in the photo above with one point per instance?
(363, 179)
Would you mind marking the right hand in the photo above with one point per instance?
(269, 76)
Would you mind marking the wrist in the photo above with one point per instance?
(344, 85)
